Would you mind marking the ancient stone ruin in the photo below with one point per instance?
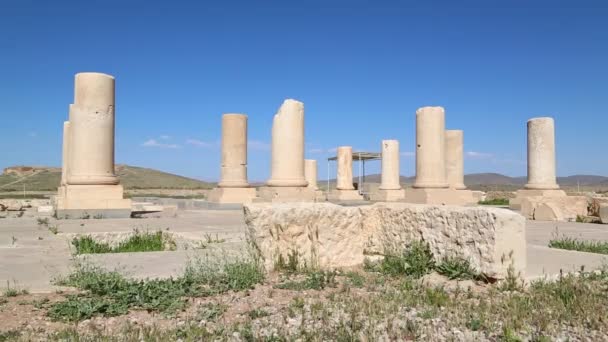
(287, 181)
(541, 198)
(233, 186)
(89, 185)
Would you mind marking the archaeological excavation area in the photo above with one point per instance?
(242, 256)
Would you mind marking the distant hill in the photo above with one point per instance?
(131, 177)
(496, 181)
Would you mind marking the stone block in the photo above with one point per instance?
(94, 200)
(515, 203)
(231, 195)
(344, 195)
(278, 194)
(439, 196)
(558, 208)
(604, 213)
(387, 195)
(331, 236)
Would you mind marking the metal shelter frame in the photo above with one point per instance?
(360, 157)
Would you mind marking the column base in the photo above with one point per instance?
(440, 196)
(92, 201)
(344, 195)
(381, 195)
(515, 203)
(549, 205)
(231, 195)
(278, 194)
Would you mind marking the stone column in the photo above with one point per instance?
(345, 168)
(310, 170)
(454, 159)
(91, 139)
(287, 168)
(541, 154)
(430, 148)
(234, 151)
(65, 152)
(390, 165)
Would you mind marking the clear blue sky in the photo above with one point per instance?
(362, 68)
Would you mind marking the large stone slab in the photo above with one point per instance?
(562, 208)
(330, 236)
(603, 212)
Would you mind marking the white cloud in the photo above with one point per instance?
(165, 137)
(478, 155)
(407, 154)
(258, 145)
(200, 143)
(155, 143)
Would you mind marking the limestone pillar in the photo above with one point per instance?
(541, 154)
(345, 190)
(390, 165)
(454, 159)
(91, 138)
(430, 148)
(345, 168)
(287, 168)
(234, 151)
(90, 187)
(65, 152)
(310, 170)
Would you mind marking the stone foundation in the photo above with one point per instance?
(566, 208)
(439, 196)
(332, 236)
(87, 199)
(344, 195)
(278, 194)
(231, 195)
(388, 195)
(603, 213)
(515, 203)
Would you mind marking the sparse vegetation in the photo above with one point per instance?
(416, 260)
(314, 280)
(138, 242)
(110, 294)
(214, 239)
(573, 307)
(54, 229)
(13, 291)
(458, 268)
(564, 242)
(495, 201)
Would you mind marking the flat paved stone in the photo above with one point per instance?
(31, 256)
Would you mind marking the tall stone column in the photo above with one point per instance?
(287, 168)
(345, 190)
(345, 168)
(390, 165)
(91, 151)
(541, 154)
(233, 187)
(234, 151)
(430, 148)
(454, 159)
(310, 170)
(90, 188)
(541, 198)
(65, 152)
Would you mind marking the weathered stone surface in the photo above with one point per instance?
(603, 212)
(559, 208)
(329, 236)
